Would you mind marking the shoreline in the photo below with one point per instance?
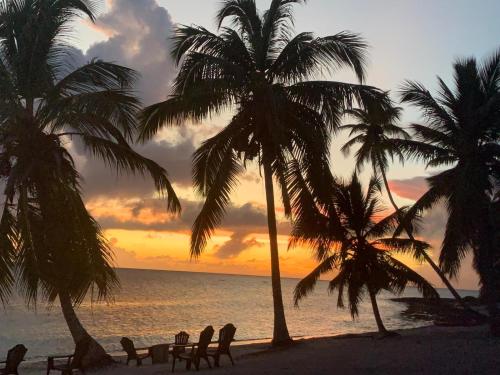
(432, 349)
(260, 357)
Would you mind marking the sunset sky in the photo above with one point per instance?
(414, 40)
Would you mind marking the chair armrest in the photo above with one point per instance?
(60, 356)
(140, 349)
(50, 359)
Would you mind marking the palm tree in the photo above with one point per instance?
(376, 130)
(261, 71)
(461, 134)
(50, 245)
(347, 238)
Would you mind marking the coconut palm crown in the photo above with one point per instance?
(378, 135)
(348, 238)
(259, 70)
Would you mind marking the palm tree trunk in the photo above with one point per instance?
(280, 334)
(427, 258)
(376, 312)
(484, 255)
(96, 356)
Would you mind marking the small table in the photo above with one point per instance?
(159, 353)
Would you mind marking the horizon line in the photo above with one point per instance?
(249, 275)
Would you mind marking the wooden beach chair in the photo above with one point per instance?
(179, 347)
(133, 352)
(199, 350)
(226, 336)
(72, 362)
(14, 358)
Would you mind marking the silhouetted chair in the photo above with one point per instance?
(132, 351)
(199, 350)
(73, 361)
(179, 347)
(226, 336)
(14, 358)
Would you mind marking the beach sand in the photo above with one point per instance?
(427, 350)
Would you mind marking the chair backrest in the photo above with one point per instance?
(14, 357)
(226, 336)
(128, 347)
(81, 349)
(181, 338)
(205, 339)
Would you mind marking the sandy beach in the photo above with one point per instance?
(431, 350)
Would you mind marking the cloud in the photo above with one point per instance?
(140, 39)
(150, 214)
(100, 180)
(411, 188)
(238, 243)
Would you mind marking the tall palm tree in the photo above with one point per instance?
(347, 238)
(376, 130)
(461, 135)
(50, 245)
(261, 71)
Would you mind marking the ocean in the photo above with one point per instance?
(152, 306)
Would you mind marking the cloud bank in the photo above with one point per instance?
(139, 33)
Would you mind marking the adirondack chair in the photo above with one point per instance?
(133, 352)
(14, 358)
(226, 336)
(73, 361)
(199, 350)
(179, 347)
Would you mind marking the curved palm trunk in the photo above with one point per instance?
(96, 356)
(280, 333)
(376, 312)
(427, 258)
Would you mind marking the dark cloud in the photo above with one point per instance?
(140, 39)
(238, 243)
(411, 188)
(249, 216)
(100, 180)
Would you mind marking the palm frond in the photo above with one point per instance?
(412, 247)
(306, 55)
(307, 284)
(125, 160)
(215, 171)
(8, 240)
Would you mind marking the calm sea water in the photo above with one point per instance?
(154, 305)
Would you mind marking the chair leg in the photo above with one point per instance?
(173, 364)
(230, 357)
(188, 364)
(216, 360)
(208, 362)
(139, 362)
(197, 364)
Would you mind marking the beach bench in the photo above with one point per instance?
(226, 336)
(72, 362)
(133, 352)
(14, 358)
(198, 350)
